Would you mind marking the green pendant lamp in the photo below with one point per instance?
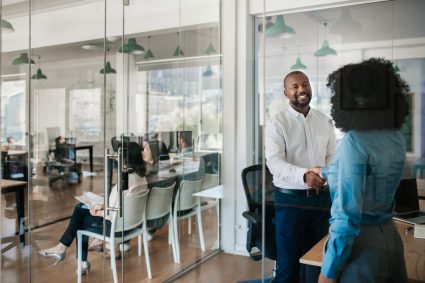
(39, 75)
(149, 54)
(23, 59)
(280, 29)
(298, 65)
(325, 50)
(208, 72)
(210, 50)
(108, 69)
(178, 51)
(132, 47)
(6, 26)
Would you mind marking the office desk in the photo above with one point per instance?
(18, 187)
(414, 253)
(89, 146)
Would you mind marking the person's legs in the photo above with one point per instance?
(289, 239)
(75, 224)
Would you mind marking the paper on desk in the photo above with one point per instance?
(90, 199)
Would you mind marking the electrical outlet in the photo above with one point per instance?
(419, 231)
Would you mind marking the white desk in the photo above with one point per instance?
(217, 193)
(214, 192)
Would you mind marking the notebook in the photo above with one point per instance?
(407, 203)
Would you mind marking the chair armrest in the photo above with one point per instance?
(252, 217)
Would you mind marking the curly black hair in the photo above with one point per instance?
(368, 96)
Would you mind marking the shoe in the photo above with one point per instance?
(150, 237)
(85, 268)
(125, 247)
(58, 256)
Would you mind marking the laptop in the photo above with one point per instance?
(407, 203)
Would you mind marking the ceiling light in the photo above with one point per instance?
(6, 26)
(149, 54)
(210, 50)
(325, 50)
(208, 72)
(92, 47)
(132, 47)
(298, 65)
(108, 69)
(280, 29)
(22, 59)
(178, 51)
(39, 75)
(345, 24)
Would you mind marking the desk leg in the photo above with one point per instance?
(91, 158)
(20, 211)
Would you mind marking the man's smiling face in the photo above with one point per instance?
(298, 90)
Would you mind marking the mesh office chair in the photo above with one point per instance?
(252, 180)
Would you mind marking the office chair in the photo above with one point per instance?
(252, 180)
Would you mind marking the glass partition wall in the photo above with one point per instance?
(124, 83)
(319, 41)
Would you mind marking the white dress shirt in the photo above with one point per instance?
(294, 143)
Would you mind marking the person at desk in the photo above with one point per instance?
(63, 152)
(370, 107)
(185, 145)
(298, 138)
(92, 219)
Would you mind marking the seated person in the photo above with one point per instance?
(85, 219)
(185, 144)
(6, 146)
(64, 153)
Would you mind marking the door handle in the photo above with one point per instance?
(114, 157)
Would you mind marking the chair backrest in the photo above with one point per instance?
(210, 181)
(184, 198)
(159, 202)
(133, 211)
(52, 133)
(252, 180)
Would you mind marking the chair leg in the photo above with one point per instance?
(201, 230)
(171, 237)
(80, 248)
(145, 245)
(189, 225)
(139, 245)
(176, 238)
(113, 262)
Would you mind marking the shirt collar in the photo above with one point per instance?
(297, 114)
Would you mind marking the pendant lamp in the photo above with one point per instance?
(298, 65)
(108, 69)
(149, 54)
(208, 72)
(325, 50)
(178, 51)
(39, 75)
(23, 59)
(280, 29)
(132, 47)
(346, 24)
(6, 26)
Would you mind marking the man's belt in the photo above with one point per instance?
(311, 192)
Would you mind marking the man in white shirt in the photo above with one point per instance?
(298, 138)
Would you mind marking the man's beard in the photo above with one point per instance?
(299, 104)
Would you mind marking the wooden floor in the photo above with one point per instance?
(48, 205)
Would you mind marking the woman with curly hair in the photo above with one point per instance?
(368, 104)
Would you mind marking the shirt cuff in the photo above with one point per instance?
(325, 172)
(330, 268)
(299, 175)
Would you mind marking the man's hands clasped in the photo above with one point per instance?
(313, 177)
